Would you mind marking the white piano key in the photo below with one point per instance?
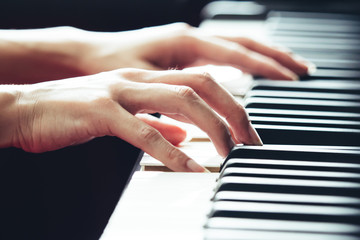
(234, 234)
(281, 225)
(284, 197)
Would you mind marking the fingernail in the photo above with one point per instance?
(311, 68)
(255, 138)
(194, 166)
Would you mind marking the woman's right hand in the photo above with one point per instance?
(55, 114)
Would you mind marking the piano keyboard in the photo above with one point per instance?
(304, 183)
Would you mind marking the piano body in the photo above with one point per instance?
(304, 183)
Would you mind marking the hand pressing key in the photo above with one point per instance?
(54, 114)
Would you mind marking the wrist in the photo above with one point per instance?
(9, 95)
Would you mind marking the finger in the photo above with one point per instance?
(218, 98)
(280, 54)
(232, 53)
(143, 136)
(172, 133)
(178, 117)
(165, 98)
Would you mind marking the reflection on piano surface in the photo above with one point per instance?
(289, 191)
(304, 183)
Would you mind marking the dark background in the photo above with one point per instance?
(64, 194)
(116, 15)
(105, 15)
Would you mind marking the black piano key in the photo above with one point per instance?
(309, 53)
(291, 164)
(312, 16)
(317, 86)
(302, 22)
(240, 196)
(336, 63)
(292, 186)
(314, 40)
(298, 135)
(310, 35)
(293, 27)
(303, 114)
(290, 174)
(313, 21)
(324, 46)
(244, 234)
(292, 212)
(305, 122)
(303, 95)
(303, 104)
(282, 226)
(329, 74)
(288, 152)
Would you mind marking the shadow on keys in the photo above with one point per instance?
(65, 194)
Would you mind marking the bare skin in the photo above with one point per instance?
(179, 46)
(50, 115)
(54, 114)
(30, 56)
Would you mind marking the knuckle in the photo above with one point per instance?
(206, 81)
(282, 49)
(104, 103)
(282, 56)
(237, 48)
(218, 123)
(131, 74)
(172, 153)
(184, 33)
(66, 29)
(175, 156)
(281, 53)
(205, 77)
(269, 65)
(185, 92)
(148, 134)
(238, 51)
(181, 26)
(250, 43)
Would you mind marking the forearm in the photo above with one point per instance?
(29, 56)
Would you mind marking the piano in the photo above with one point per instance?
(304, 183)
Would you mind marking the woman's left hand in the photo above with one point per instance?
(179, 45)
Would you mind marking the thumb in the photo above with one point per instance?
(174, 134)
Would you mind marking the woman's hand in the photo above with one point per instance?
(29, 56)
(54, 114)
(179, 46)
